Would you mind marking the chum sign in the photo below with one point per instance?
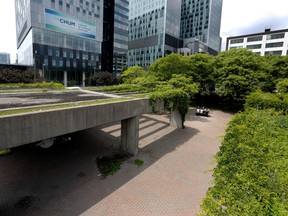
(67, 24)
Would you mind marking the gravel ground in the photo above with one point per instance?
(12, 100)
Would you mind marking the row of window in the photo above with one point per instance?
(268, 45)
(258, 38)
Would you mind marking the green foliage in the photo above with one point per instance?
(10, 75)
(148, 81)
(282, 86)
(132, 73)
(171, 64)
(277, 67)
(50, 85)
(260, 100)
(125, 88)
(251, 177)
(177, 98)
(108, 165)
(102, 79)
(139, 162)
(238, 72)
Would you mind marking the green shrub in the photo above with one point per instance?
(251, 177)
(125, 88)
(51, 85)
(260, 100)
(282, 86)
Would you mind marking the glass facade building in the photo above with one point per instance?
(201, 19)
(115, 35)
(160, 27)
(61, 37)
(154, 30)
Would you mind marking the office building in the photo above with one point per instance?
(160, 27)
(200, 25)
(61, 38)
(154, 30)
(4, 58)
(115, 35)
(263, 43)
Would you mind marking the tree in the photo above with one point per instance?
(163, 68)
(132, 73)
(239, 72)
(102, 79)
(201, 66)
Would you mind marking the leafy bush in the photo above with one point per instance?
(102, 79)
(125, 88)
(8, 75)
(282, 86)
(251, 177)
(53, 85)
(260, 100)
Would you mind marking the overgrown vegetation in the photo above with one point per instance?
(177, 99)
(10, 75)
(251, 176)
(109, 165)
(49, 85)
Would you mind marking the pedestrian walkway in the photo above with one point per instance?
(172, 181)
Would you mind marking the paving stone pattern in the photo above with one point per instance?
(64, 179)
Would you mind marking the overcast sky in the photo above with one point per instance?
(238, 17)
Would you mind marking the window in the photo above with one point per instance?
(235, 41)
(258, 38)
(278, 44)
(255, 46)
(277, 52)
(275, 36)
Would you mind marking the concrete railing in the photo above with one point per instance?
(21, 129)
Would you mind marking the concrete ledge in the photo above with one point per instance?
(21, 129)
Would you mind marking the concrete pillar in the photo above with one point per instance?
(130, 135)
(83, 79)
(65, 78)
(175, 119)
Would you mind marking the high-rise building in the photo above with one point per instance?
(60, 37)
(154, 30)
(115, 35)
(263, 43)
(160, 27)
(4, 58)
(200, 25)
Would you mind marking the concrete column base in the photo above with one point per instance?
(65, 78)
(83, 79)
(175, 119)
(130, 135)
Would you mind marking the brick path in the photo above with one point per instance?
(65, 180)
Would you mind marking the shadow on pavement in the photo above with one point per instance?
(64, 179)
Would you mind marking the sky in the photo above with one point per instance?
(238, 17)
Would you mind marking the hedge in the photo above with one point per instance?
(251, 176)
(260, 100)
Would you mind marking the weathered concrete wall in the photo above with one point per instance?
(16, 130)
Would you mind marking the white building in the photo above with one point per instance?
(264, 43)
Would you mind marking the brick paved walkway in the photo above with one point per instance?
(65, 181)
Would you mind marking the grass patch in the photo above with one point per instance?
(139, 162)
(109, 165)
(59, 106)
